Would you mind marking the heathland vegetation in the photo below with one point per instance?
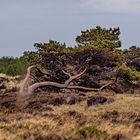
(87, 92)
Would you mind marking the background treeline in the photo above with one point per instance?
(14, 66)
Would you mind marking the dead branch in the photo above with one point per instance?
(83, 88)
(91, 89)
(67, 85)
(66, 73)
(24, 82)
(106, 85)
(33, 87)
(48, 83)
(71, 78)
(40, 71)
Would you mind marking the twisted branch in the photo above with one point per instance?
(32, 88)
(24, 82)
(67, 85)
(71, 78)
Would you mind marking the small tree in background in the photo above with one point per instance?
(13, 66)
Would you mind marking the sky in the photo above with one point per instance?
(25, 22)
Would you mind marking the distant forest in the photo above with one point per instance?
(13, 66)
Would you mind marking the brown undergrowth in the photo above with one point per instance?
(59, 116)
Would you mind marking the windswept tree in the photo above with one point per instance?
(96, 62)
(96, 51)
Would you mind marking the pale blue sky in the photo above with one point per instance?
(25, 22)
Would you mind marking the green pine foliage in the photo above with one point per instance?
(99, 37)
(13, 66)
(128, 74)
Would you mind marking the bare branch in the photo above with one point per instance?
(83, 88)
(66, 73)
(33, 87)
(65, 85)
(45, 73)
(24, 82)
(75, 77)
(106, 85)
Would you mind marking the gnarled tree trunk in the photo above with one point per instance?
(66, 84)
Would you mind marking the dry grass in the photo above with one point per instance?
(118, 118)
(124, 105)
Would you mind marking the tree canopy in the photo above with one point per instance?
(99, 37)
(98, 49)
